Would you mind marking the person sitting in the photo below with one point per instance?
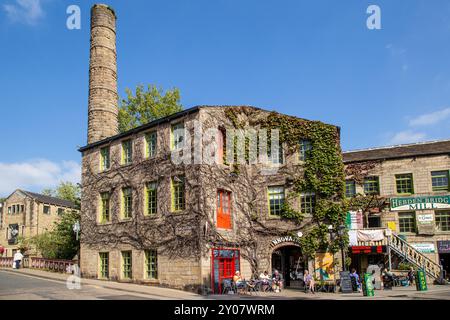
(388, 279)
(239, 281)
(265, 280)
(277, 281)
(356, 283)
(309, 282)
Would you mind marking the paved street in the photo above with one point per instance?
(28, 284)
(21, 286)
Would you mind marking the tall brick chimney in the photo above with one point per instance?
(103, 97)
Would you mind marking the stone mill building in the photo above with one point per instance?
(147, 218)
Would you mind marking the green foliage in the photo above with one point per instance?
(405, 266)
(147, 105)
(67, 191)
(60, 243)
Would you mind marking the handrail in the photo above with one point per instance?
(413, 255)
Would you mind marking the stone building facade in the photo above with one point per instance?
(27, 214)
(413, 182)
(148, 218)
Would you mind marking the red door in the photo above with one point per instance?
(225, 262)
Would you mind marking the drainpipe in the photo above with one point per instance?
(389, 254)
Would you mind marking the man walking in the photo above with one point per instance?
(18, 256)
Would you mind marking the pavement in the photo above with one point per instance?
(30, 284)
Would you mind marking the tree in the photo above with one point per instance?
(147, 105)
(65, 190)
(60, 243)
(69, 191)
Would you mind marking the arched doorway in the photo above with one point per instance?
(290, 262)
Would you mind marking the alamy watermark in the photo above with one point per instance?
(248, 146)
(73, 21)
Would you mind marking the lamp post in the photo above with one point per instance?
(341, 232)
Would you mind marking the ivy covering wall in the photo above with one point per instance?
(323, 175)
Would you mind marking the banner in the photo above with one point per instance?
(370, 235)
(324, 268)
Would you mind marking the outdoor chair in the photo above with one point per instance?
(254, 287)
(228, 286)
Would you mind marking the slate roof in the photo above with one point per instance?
(50, 200)
(420, 149)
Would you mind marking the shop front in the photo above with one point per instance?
(225, 262)
(288, 259)
(444, 257)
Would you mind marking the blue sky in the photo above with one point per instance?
(312, 59)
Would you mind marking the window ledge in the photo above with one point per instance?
(150, 281)
(151, 217)
(408, 234)
(104, 223)
(124, 165)
(181, 212)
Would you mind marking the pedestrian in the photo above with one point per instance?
(411, 276)
(18, 256)
(356, 284)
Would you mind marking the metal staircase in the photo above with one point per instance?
(410, 254)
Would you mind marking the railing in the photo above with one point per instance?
(405, 250)
(55, 265)
(6, 262)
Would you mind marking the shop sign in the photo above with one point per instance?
(443, 246)
(425, 218)
(421, 281)
(279, 240)
(424, 247)
(368, 249)
(346, 282)
(420, 203)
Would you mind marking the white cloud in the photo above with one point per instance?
(35, 175)
(24, 11)
(430, 118)
(407, 136)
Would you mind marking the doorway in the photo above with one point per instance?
(290, 263)
(444, 259)
(224, 263)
